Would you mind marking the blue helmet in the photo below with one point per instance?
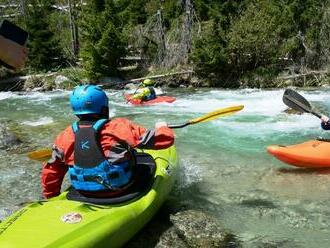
(88, 99)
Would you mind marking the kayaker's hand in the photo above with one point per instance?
(12, 53)
(160, 124)
(324, 119)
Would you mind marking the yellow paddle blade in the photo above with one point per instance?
(40, 155)
(217, 113)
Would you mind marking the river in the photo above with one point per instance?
(225, 168)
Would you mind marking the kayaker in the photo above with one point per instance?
(98, 151)
(325, 124)
(148, 92)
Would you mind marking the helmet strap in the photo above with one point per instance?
(105, 112)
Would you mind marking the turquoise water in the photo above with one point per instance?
(225, 169)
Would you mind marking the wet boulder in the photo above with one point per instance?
(183, 229)
(292, 111)
(198, 229)
(59, 80)
(8, 139)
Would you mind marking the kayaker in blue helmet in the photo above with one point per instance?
(97, 151)
(148, 92)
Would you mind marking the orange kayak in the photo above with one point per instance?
(158, 99)
(310, 154)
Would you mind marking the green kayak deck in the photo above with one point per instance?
(59, 222)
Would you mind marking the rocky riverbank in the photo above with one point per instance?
(67, 79)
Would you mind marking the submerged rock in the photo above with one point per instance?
(183, 229)
(198, 229)
(263, 242)
(292, 111)
(5, 212)
(7, 138)
(259, 203)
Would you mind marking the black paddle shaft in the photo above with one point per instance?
(179, 125)
(296, 101)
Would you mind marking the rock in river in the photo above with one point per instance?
(7, 138)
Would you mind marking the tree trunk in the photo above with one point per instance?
(74, 30)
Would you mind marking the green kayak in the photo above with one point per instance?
(60, 222)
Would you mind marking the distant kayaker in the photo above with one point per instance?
(97, 151)
(148, 92)
(325, 124)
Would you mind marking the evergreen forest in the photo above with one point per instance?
(227, 43)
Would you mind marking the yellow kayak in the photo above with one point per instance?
(60, 222)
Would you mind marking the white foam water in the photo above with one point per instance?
(41, 121)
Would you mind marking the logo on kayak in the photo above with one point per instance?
(71, 218)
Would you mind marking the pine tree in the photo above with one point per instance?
(45, 53)
(102, 45)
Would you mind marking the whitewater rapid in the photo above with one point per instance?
(225, 168)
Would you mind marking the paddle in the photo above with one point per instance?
(210, 116)
(297, 102)
(45, 154)
(40, 155)
(138, 87)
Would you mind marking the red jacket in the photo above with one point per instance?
(136, 136)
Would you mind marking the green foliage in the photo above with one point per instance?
(133, 12)
(239, 41)
(75, 75)
(102, 44)
(45, 53)
(172, 9)
(59, 25)
(258, 39)
(222, 11)
(209, 54)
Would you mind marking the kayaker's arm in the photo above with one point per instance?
(53, 171)
(51, 179)
(143, 94)
(159, 138)
(138, 95)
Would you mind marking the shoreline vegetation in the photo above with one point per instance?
(69, 78)
(226, 44)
